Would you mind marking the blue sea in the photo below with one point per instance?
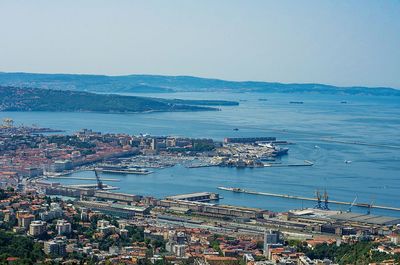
(372, 176)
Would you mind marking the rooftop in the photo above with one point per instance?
(365, 218)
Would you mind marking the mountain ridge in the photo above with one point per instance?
(142, 83)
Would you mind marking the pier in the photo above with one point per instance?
(307, 163)
(301, 198)
(92, 186)
(81, 178)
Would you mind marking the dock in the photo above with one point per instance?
(123, 171)
(301, 198)
(93, 186)
(82, 178)
(307, 163)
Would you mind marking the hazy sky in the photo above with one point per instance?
(335, 42)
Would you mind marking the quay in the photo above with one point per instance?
(126, 171)
(81, 178)
(92, 186)
(294, 197)
(307, 163)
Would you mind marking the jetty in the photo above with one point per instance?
(301, 198)
(82, 178)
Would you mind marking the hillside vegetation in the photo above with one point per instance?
(35, 99)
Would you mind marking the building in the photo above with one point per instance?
(179, 250)
(104, 227)
(24, 220)
(116, 196)
(54, 212)
(37, 228)
(271, 240)
(63, 227)
(56, 247)
(197, 196)
(121, 210)
(368, 219)
(61, 165)
(124, 233)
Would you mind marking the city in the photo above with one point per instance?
(94, 223)
(177, 132)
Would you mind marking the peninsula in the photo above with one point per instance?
(37, 99)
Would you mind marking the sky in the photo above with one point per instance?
(333, 42)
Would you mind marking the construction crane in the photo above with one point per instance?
(352, 204)
(99, 182)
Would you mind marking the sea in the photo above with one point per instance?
(353, 141)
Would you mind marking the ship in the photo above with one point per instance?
(231, 189)
(275, 151)
(278, 151)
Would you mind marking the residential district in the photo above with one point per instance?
(44, 222)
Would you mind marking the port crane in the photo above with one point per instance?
(323, 205)
(370, 206)
(100, 185)
(319, 200)
(326, 206)
(352, 204)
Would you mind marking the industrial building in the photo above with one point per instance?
(197, 196)
(101, 194)
(121, 210)
(214, 210)
(365, 218)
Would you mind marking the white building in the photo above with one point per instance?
(63, 227)
(37, 228)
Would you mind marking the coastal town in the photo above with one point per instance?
(29, 153)
(93, 224)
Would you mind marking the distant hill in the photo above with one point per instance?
(38, 99)
(166, 84)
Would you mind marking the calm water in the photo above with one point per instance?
(373, 174)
